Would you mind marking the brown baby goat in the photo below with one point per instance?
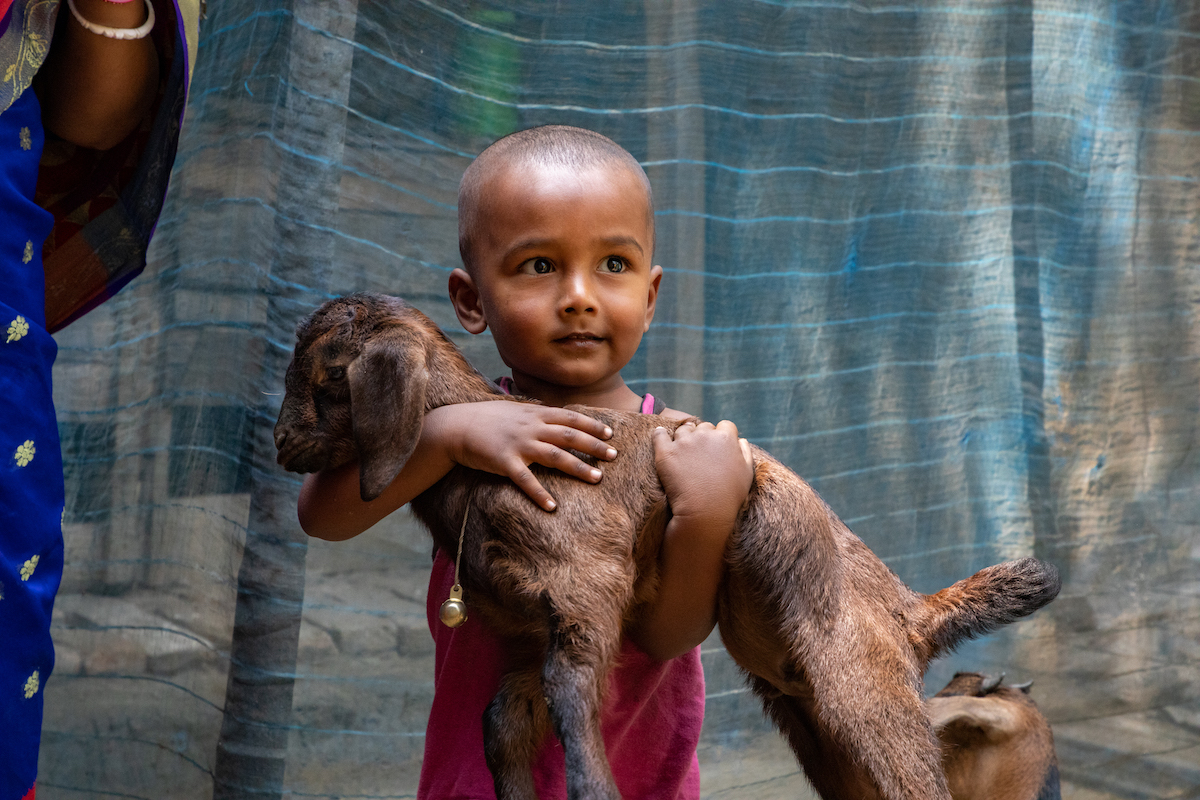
(805, 608)
(996, 745)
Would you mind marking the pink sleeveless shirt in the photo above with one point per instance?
(650, 721)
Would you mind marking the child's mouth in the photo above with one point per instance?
(580, 339)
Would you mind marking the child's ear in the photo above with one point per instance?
(467, 305)
(656, 273)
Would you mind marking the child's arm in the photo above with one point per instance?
(494, 436)
(94, 90)
(707, 472)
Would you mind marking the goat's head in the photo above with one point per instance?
(995, 741)
(355, 388)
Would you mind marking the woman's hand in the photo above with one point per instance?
(505, 438)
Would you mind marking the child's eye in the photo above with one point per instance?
(538, 266)
(613, 264)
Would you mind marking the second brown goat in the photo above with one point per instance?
(996, 744)
(806, 609)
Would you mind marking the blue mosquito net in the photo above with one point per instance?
(940, 257)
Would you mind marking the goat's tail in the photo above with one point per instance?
(979, 604)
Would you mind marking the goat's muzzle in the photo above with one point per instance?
(297, 453)
(281, 436)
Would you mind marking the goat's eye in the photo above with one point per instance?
(335, 373)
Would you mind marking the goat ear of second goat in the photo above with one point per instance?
(387, 391)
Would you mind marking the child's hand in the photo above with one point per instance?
(705, 469)
(504, 438)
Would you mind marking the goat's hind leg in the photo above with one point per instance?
(514, 725)
(576, 666)
(566, 694)
(883, 729)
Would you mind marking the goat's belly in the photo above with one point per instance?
(573, 575)
(580, 579)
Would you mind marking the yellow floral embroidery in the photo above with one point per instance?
(25, 453)
(26, 139)
(27, 256)
(31, 51)
(31, 685)
(16, 329)
(28, 567)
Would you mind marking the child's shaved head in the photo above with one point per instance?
(549, 145)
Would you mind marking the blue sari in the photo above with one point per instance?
(72, 232)
(31, 477)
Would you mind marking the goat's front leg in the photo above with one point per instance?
(514, 725)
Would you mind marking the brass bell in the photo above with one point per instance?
(454, 611)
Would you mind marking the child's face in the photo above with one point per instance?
(563, 272)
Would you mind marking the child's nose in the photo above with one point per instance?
(578, 294)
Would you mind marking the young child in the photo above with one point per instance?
(556, 231)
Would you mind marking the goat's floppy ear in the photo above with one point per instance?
(992, 715)
(387, 396)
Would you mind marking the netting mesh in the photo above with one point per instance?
(941, 258)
